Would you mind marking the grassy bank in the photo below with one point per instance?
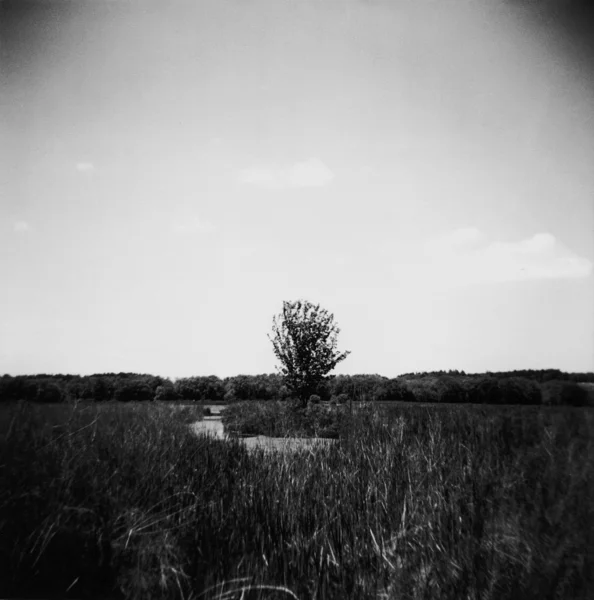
(284, 419)
(410, 503)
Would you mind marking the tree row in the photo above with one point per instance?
(532, 387)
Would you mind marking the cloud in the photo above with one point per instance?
(310, 173)
(459, 258)
(85, 167)
(193, 225)
(21, 227)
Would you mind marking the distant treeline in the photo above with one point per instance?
(542, 375)
(549, 387)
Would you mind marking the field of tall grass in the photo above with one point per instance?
(125, 502)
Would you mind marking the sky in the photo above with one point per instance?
(171, 172)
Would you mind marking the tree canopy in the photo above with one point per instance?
(304, 338)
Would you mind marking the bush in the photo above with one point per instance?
(342, 398)
(252, 418)
(322, 421)
(282, 419)
(314, 399)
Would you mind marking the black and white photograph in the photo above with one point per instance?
(297, 299)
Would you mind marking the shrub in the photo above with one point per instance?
(253, 418)
(314, 399)
(282, 419)
(322, 421)
(342, 398)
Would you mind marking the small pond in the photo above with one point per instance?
(213, 426)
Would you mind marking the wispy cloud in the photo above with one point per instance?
(462, 258)
(310, 173)
(193, 225)
(85, 167)
(21, 227)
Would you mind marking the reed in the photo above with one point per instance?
(410, 503)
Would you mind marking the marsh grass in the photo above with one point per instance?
(284, 419)
(409, 503)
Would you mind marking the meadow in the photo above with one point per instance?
(124, 501)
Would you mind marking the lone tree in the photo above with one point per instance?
(304, 339)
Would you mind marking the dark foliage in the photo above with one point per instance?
(134, 391)
(540, 376)
(200, 389)
(254, 387)
(304, 338)
(567, 393)
(282, 419)
(532, 387)
(166, 392)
